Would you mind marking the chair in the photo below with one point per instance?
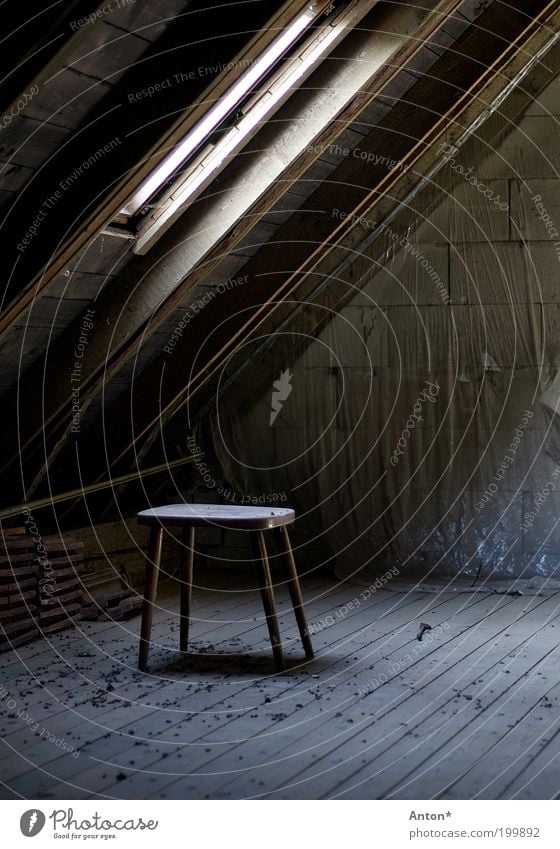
(254, 519)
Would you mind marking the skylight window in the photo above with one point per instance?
(221, 109)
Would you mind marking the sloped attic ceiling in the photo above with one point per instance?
(359, 134)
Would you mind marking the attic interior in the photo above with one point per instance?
(270, 257)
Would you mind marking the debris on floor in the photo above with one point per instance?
(421, 630)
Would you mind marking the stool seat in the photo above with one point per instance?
(256, 520)
(223, 515)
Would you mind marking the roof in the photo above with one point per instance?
(111, 320)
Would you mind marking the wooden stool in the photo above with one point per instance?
(254, 519)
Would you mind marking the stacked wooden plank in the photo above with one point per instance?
(107, 592)
(48, 582)
(112, 551)
(19, 598)
(60, 587)
(115, 555)
(40, 590)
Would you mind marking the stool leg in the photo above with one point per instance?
(150, 589)
(267, 594)
(186, 586)
(294, 588)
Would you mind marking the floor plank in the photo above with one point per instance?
(469, 711)
(444, 705)
(205, 713)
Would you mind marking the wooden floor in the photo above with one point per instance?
(472, 711)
